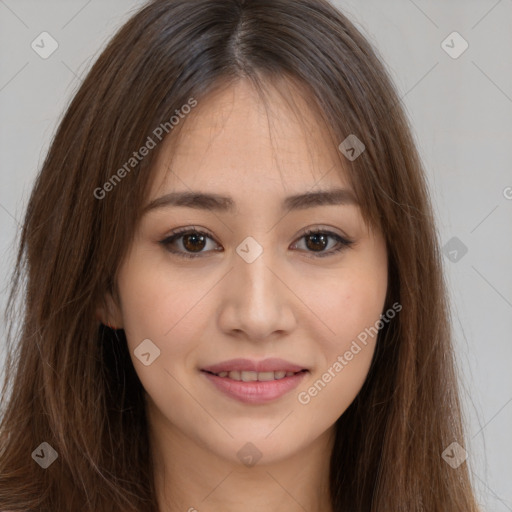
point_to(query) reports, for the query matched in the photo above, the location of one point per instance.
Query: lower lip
(255, 392)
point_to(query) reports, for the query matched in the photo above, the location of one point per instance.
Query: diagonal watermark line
(501, 409)
(198, 301)
(10, 215)
(411, 88)
(17, 73)
(75, 15)
(491, 491)
(485, 15)
(420, 80)
(286, 491)
(484, 219)
(279, 424)
(5, 5)
(462, 330)
(217, 486)
(200, 404)
(77, 76)
(492, 81)
(424, 13)
(300, 299)
(503, 297)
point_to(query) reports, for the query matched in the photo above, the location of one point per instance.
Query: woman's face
(255, 288)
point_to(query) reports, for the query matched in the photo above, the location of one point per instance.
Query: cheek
(349, 306)
(329, 394)
(346, 358)
(352, 296)
(154, 301)
(166, 309)
(351, 311)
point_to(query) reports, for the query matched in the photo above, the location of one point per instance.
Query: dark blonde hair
(70, 381)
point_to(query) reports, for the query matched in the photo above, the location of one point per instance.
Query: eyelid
(324, 229)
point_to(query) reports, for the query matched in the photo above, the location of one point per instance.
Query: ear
(108, 312)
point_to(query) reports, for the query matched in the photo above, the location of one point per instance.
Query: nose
(256, 300)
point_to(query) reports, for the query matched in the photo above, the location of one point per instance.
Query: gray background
(461, 111)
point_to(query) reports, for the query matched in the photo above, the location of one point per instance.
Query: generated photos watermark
(304, 397)
(158, 133)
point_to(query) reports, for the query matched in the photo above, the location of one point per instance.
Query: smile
(247, 376)
(255, 387)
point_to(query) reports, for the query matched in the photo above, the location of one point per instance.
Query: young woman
(230, 281)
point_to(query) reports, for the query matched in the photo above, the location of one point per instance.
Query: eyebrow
(216, 202)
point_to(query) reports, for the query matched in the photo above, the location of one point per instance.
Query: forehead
(235, 139)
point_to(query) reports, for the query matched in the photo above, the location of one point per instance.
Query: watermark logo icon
(454, 45)
(455, 249)
(44, 45)
(351, 147)
(147, 352)
(45, 455)
(249, 249)
(249, 455)
(454, 455)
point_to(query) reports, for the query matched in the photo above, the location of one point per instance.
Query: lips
(255, 382)
(255, 392)
(246, 376)
(259, 367)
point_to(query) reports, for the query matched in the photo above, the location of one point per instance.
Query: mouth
(250, 376)
(251, 387)
(255, 382)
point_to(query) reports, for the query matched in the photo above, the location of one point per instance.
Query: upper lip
(248, 365)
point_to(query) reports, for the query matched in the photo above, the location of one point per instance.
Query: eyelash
(343, 243)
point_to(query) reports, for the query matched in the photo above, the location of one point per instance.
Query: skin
(287, 303)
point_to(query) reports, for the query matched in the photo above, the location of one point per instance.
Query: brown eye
(188, 243)
(194, 242)
(317, 241)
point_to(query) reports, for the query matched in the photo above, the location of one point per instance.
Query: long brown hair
(70, 381)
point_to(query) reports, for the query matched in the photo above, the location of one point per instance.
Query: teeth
(265, 376)
(249, 376)
(256, 376)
